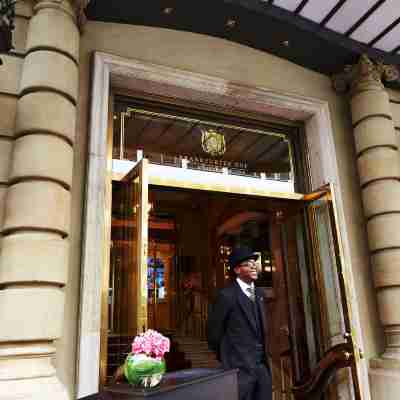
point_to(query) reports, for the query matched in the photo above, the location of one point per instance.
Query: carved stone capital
(81, 19)
(365, 75)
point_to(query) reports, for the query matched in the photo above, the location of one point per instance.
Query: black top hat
(240, 254)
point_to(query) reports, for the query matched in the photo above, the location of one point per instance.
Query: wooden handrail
(339, 356)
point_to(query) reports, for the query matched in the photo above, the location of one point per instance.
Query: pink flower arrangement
(151, 343)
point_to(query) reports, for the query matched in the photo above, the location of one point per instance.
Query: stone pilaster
(379, 172)
(34, 252)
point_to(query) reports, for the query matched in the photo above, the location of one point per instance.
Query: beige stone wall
(394, 97)
(21, 157)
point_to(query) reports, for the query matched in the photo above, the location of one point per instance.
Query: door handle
(338, 357)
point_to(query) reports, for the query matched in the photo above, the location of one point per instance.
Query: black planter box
(188, 384)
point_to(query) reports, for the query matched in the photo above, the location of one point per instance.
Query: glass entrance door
(136, 188)
(319, 312)
(127, 314)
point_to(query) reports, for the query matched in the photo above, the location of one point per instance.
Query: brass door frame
(353, 352)
(287, 130)
(346, 353)
(160, 180)
(140, 173)
(105, 270)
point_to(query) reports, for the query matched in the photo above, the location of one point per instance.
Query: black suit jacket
(232, 331)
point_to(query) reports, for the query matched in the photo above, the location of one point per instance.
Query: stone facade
(37, 160)
(377, 155)
(43, 152)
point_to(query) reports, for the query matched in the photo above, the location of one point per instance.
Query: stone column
(34, 249)
(379, 172)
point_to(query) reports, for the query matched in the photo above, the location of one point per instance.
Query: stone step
(191, 341)
(205, 364)
(194, 345)
(197, 358)
(197, 351)
(194, 348)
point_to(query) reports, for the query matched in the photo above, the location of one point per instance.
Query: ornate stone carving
(365, 75)
(80, 6)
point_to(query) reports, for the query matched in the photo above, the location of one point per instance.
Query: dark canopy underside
(257, 24)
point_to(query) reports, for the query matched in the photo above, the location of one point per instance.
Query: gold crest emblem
(213, 142)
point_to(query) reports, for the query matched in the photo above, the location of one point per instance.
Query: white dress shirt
(244, 286)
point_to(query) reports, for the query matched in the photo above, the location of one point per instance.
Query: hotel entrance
(176, 216)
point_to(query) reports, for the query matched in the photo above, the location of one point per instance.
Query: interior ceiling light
(231, 23)
(168, 10)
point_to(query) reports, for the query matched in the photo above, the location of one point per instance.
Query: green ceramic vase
(141, 370)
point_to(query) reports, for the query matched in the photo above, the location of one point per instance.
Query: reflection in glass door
(127, 305)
